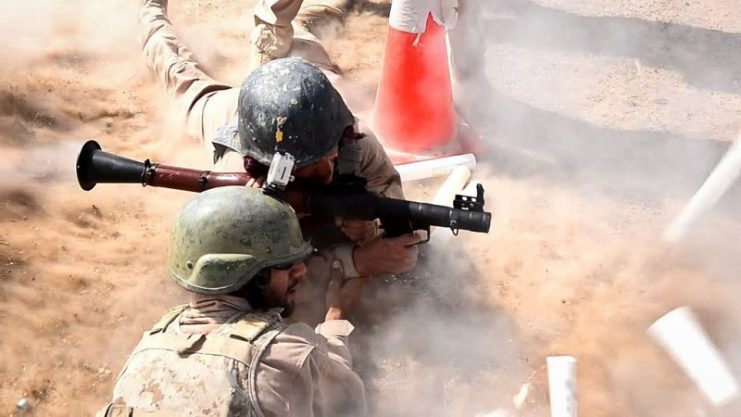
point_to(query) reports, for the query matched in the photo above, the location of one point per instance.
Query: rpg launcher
(347, 199)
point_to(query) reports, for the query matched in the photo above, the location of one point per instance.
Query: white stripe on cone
(411, 15)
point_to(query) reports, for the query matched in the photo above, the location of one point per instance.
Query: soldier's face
(282, 289)
(321, 171)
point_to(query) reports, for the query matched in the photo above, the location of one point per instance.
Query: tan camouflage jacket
(217, 357)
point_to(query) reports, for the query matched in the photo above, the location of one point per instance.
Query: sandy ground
(600, 120)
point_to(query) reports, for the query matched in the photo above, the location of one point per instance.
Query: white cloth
(411, 15)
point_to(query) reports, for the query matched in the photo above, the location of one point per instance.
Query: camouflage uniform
(273, 369)
(218, 356)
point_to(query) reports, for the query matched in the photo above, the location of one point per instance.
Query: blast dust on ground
(573, 265)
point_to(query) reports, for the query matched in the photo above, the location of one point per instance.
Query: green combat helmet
(226, 235)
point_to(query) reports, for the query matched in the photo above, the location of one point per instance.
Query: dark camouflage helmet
(226, 235)
(288, 105)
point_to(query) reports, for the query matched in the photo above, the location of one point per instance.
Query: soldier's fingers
(334, 285)
(332, 297)
(419, 236)
(355, 224)
(352, 228)
(410, 258)
(336, 272)
(408, 239)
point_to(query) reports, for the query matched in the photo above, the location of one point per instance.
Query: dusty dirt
(601, 120)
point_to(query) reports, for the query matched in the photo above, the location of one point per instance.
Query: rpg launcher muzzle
(95, 166)
(397, 216)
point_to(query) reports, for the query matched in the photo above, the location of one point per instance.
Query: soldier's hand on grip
(392, 255)
(255, 182)
(358, 230)
(342, 296)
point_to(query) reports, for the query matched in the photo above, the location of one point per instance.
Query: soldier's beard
(268, 298)
(285, 300)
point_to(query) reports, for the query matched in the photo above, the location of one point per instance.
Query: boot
(314, 14)
(269, 42)
(273, 33)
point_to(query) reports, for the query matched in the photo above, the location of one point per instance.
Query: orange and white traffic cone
(413, 115)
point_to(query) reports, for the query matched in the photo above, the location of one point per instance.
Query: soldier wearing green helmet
(240, 253)
(218, 249)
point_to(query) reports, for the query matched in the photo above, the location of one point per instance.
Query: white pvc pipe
(429, 168)
(447, 191)
(722, 177)
(452, 186)
(682, 336)
(562, 385)
(519, 399)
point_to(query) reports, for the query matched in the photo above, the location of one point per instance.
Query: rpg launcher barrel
(397, 216)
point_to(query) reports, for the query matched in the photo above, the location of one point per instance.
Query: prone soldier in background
(240, 255)
(290, 106)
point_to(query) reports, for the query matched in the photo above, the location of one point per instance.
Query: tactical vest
(184, 374)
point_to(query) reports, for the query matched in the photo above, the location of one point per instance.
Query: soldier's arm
(303, 373)
(173, 64)
(339, 390)
(377, 168)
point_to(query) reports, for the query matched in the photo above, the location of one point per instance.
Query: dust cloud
(599, 122)
(600, 126)
(80, 274)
